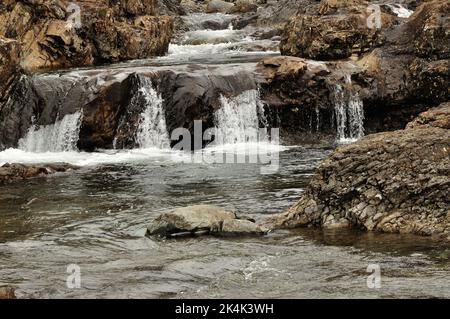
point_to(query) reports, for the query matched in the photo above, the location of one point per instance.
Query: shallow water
(96, 218)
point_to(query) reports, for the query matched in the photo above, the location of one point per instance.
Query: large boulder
(334, 30)
(215, 6)
(147, 36)
(202, 220)
(393, 182)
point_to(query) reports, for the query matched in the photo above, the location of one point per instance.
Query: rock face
(397, 73)
(7, 293)
(10, 173)
(112, 101)
(9, 65)
(60, 34)
(202, 220)
(391, 182)
(333, 30)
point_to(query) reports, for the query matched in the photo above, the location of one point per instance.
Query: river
(96, 217)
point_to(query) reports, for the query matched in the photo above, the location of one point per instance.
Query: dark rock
(9, 65)
(202, 220)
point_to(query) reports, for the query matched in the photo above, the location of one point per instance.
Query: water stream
(96, 217)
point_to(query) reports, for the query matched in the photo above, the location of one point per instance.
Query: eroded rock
(202, 220)
(55, 34)
(393, 182)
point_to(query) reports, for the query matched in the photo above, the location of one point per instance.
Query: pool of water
(96, 218)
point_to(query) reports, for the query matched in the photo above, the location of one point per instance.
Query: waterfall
(62, 136)
(237, 121)
(349, 113)
(152, 131)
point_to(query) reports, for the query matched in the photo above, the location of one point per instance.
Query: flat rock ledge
(201, 220)
(395, 182)
(10, 173)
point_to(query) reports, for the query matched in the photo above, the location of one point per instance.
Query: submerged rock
(202, 220)
(10, 173)
(393, 182)
(7, 293)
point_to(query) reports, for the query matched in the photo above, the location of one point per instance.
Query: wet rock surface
(202, 220)
(10, 173)
(392, 182)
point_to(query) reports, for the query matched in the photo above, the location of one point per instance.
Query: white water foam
(152, 132)
(400, 10)
(93, 158)
(62, 136)
(349, 113)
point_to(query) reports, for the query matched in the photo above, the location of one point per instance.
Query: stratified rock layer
(393, 182)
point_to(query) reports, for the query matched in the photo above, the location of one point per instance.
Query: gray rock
(218, 6)
(202, 220)
(407, 191)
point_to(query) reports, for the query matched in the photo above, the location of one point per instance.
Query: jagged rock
(336, 30)
(55, 35)
(9, 65)
(202, 220)
(54, 46)
(10, 173)
(436, 117)
(392, 182)
(148, 36)
(7, 293)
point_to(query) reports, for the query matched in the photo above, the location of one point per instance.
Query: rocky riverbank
(394, 182)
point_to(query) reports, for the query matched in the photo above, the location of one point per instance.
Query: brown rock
(7, 293)
(9, 65)
(108, 31)
(10, 173)
(55, 45)
(436, 117)
(338, 30)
